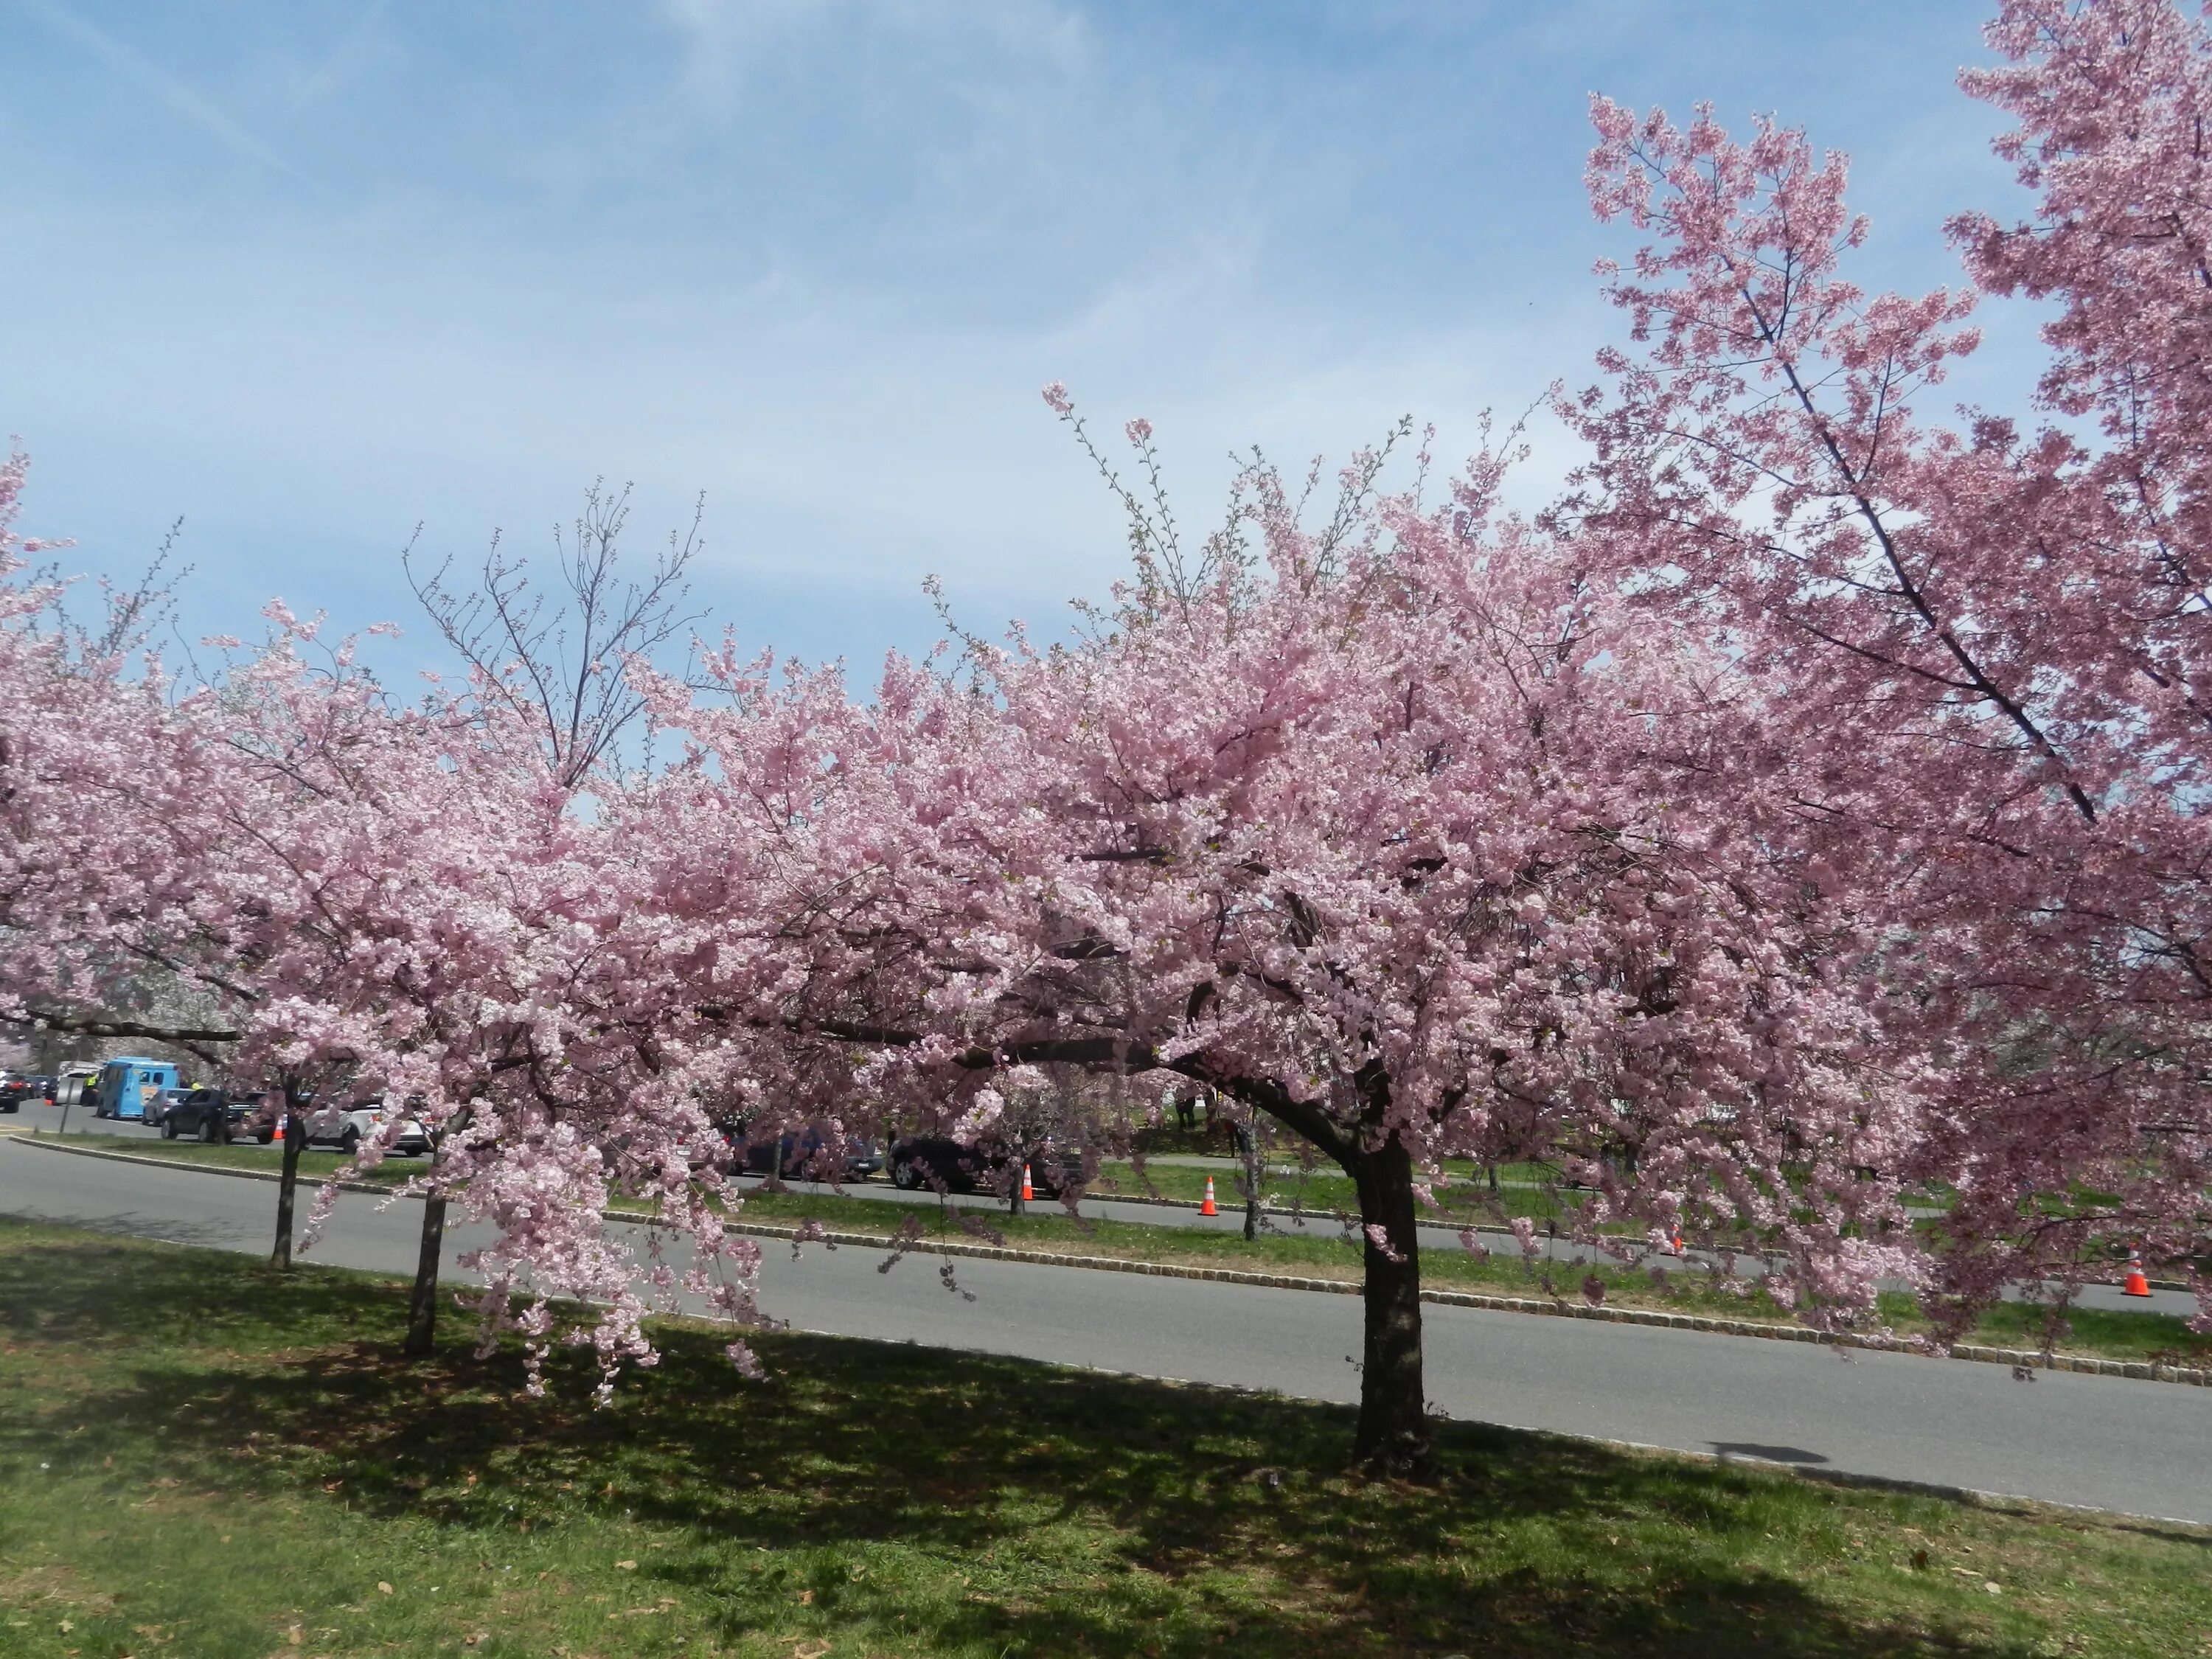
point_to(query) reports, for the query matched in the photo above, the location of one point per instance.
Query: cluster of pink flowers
(1980, 651)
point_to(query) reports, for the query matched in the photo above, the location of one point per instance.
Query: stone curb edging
(2018, 1359)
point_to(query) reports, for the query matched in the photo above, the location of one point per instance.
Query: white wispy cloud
(355, 47)
(187, 103)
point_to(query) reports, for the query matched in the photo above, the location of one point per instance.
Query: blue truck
(128, 1087)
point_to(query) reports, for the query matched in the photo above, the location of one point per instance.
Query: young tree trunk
(1393, 1436)
(422, 1303)
(288, 1185)
(1247, 1143)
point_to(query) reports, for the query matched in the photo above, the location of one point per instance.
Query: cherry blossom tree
(1981, 646)
(366, 895)
(1390, 827)
(430, 907)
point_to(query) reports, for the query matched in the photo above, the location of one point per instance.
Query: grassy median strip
(1323, 1190)
(199, 1457)
(1321, 1249)
(244, 1155)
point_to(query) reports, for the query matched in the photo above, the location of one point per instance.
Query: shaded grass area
(198, 1458)
(1321, 1249)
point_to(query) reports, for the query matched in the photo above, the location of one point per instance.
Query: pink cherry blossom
(1979, 647)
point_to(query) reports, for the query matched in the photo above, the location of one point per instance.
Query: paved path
(2141, 1447)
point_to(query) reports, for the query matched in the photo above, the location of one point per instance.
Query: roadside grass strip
(1322, 1251)
(199, 1457)
(1321, 1191)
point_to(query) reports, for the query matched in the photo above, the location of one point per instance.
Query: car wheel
(350, 1140)
(264, 1136)
(905, 1175)
(168, 1128)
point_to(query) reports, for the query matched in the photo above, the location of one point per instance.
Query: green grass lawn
(1325, 1189)
(199, 1458)
(246, 1154)
(1319, 1250)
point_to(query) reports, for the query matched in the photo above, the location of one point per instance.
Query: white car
(346, 1126)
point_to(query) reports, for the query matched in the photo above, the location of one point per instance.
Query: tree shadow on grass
(1226, 1518)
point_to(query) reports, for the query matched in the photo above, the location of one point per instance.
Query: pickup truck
(205, 1115)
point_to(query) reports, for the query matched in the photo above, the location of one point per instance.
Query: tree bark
(288, 1184)
(422, 1303)
(1247, 1143)
(422, 1300)
(1393, 1436)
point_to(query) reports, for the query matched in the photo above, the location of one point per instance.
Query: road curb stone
(2017, 1358)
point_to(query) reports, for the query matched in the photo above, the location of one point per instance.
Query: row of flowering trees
(1807, 812)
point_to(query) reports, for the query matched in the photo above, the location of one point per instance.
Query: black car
(796, 1153)
(15, 1089)
(919, 1160)
(207, 1115)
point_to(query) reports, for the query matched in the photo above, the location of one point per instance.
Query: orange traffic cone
(2135, 1284)
(1027, 1194)
(1674, 1241)
(278, 1138)
(1208, 1208)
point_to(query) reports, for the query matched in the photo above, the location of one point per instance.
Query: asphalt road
(47, 1119)
(2145, 1448)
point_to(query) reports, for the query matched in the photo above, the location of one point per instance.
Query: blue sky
(307, 272)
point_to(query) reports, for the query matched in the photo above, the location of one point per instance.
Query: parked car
(796, 1153)
(346, 1126)
(46, 1088)
(15, 1089)
(201, 1114)
(919, 1160)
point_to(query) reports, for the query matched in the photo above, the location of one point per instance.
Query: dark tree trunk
(288, 1184)
(423, 1303)
(1393, 1436)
